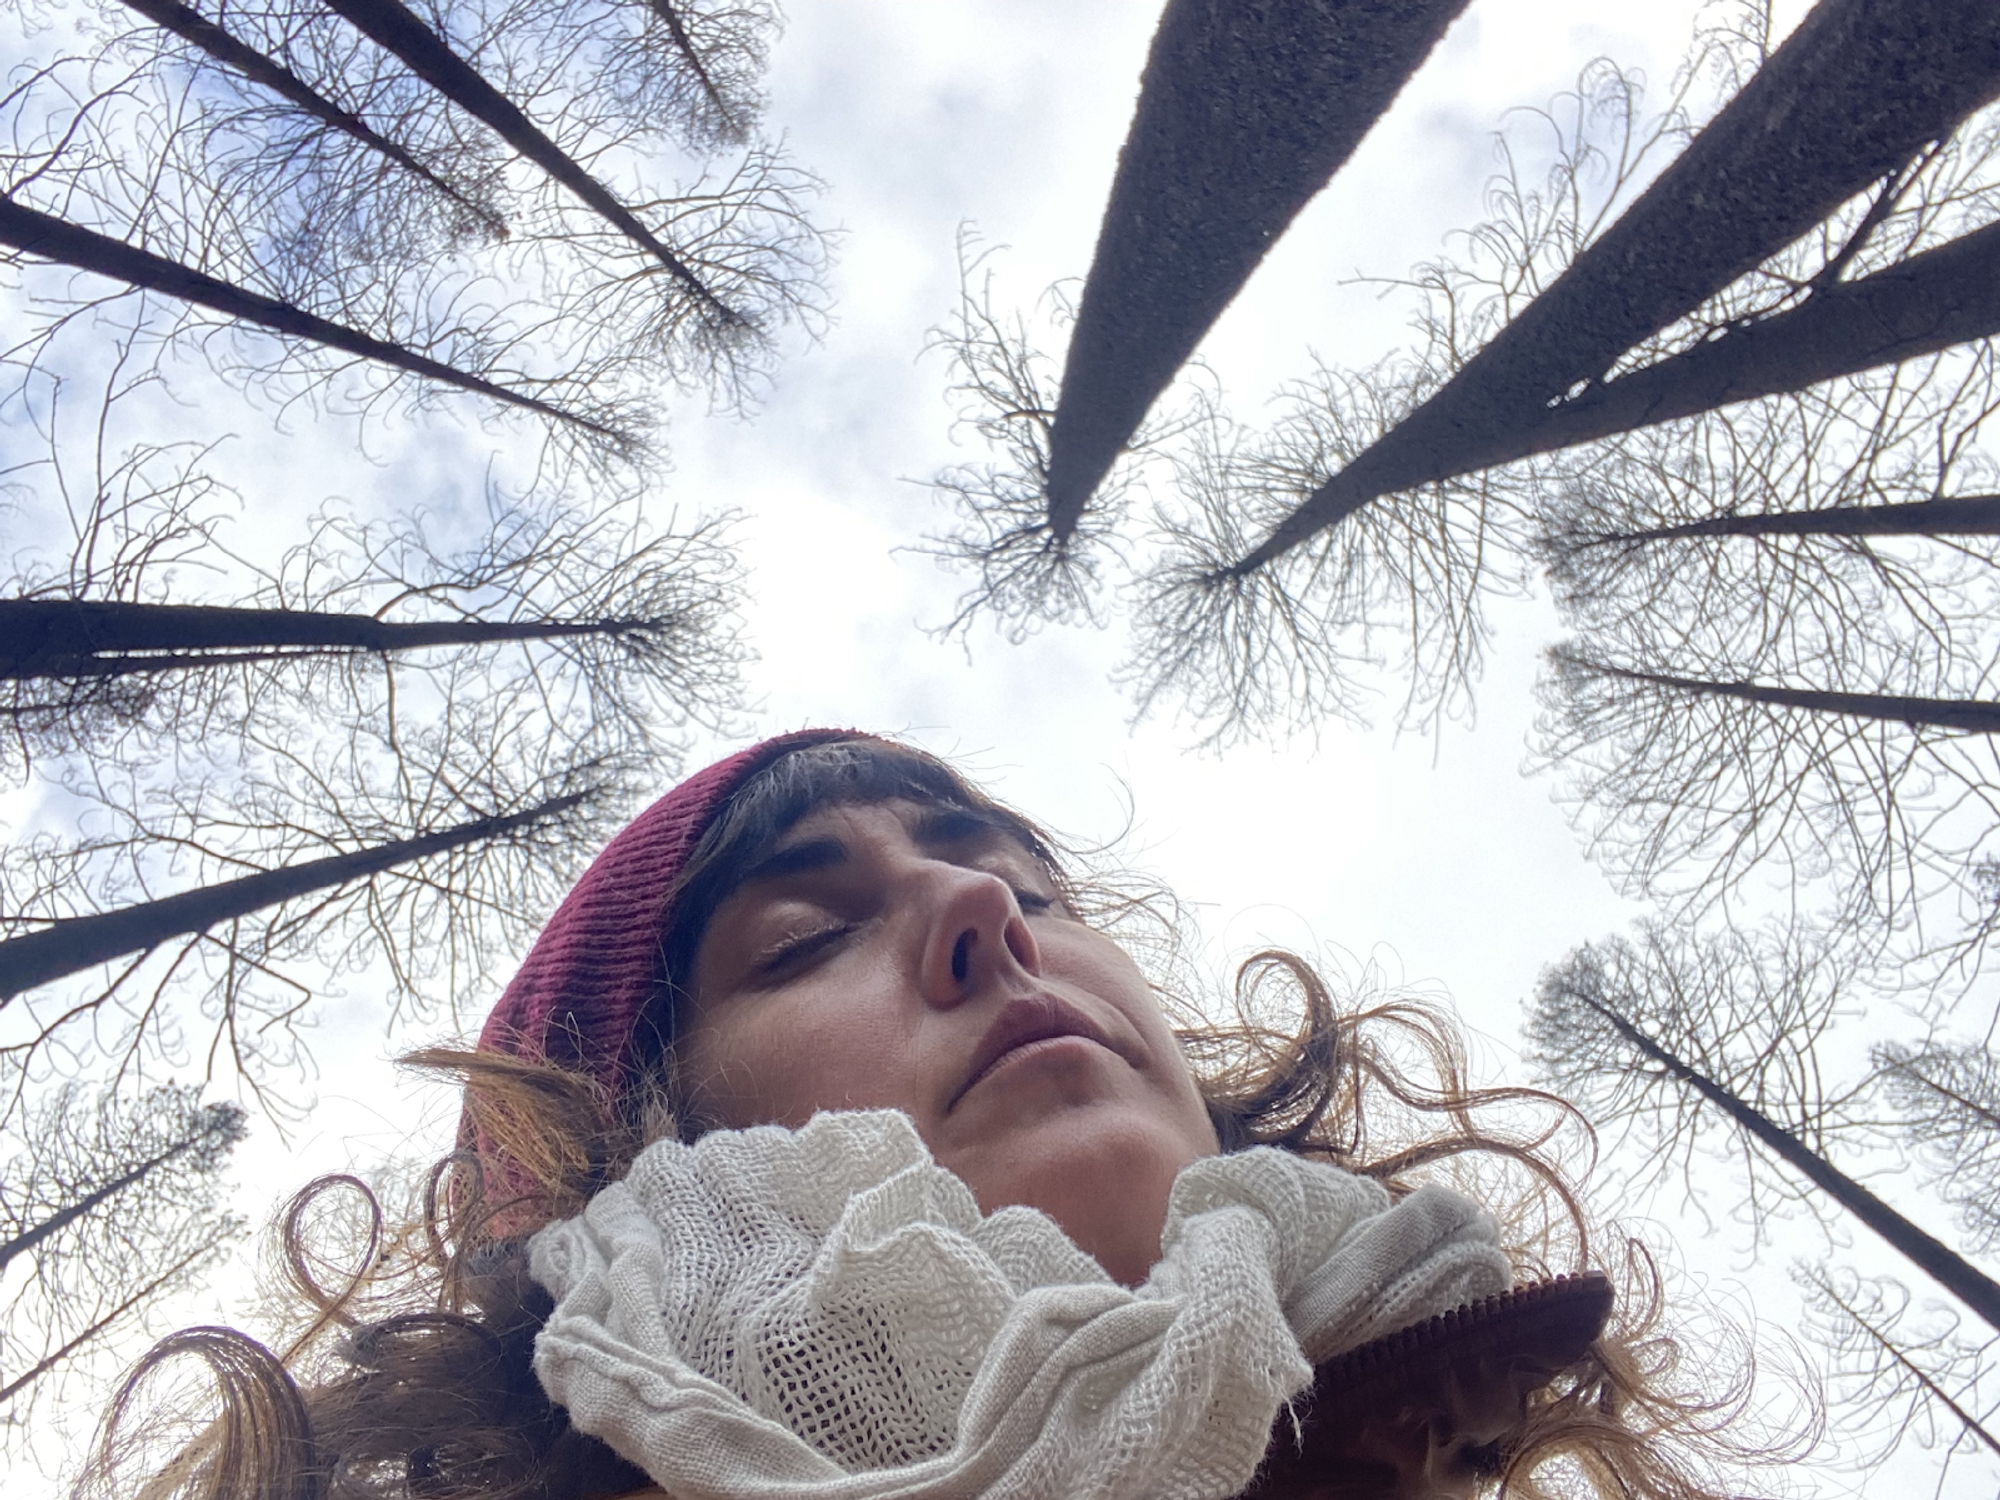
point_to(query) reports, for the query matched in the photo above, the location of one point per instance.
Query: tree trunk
(45, 638)
(49, 238)
(72, 944)
(399, 31)
(1860, 88)
(70, 1213)
(1962, 515)
(1973, 715)
(665, 10)
(1945, 296)
(1971, 1106)
(191, 26)
(1243, 115)
(1929, 1254)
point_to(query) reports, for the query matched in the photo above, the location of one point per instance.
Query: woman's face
(899, 955)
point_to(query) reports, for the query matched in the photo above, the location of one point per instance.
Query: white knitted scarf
(824, 1314)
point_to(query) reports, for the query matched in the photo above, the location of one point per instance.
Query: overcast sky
(1434, 857)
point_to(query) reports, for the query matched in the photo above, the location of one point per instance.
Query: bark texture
(1852, 96)
(1245, 109)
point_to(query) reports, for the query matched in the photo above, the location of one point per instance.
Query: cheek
(777, 1065)
(1095, 963)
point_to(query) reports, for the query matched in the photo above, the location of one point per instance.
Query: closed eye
(793, 951)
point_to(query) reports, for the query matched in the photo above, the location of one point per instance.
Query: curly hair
(406, 1371)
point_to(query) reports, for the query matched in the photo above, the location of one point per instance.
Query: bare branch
(1900, 1381)
(1002, 389)
(111, 1200)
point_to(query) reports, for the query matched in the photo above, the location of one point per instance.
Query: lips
(1035, 1018)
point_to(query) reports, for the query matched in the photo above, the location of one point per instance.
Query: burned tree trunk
(56, 638)
(72, 944)
(400, 31)
(1243, 115)
(1961, 515)
(210, 1133)
(1970, 715)
(193, 27)
(1933, 301)
(1579, 984)
(1861, 89)
(113, 1199)
(47, 237)
(670, 17)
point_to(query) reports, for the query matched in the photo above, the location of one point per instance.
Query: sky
(1435, 859)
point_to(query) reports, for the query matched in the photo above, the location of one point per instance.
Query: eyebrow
(930, 826)
(795, 859)
(951, 825)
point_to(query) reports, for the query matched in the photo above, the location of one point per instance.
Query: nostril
(961, 956)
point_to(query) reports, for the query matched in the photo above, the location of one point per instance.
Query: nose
(976, 934)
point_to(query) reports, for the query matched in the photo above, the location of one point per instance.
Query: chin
(1102, 1170)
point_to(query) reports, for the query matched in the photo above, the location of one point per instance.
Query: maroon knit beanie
(579, 994)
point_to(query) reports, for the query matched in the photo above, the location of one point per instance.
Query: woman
(827, 1144)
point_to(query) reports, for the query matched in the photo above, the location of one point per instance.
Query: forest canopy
(353, 597)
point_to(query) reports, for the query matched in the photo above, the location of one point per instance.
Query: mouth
(1021, 1023)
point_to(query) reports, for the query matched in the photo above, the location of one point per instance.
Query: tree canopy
(354, 204)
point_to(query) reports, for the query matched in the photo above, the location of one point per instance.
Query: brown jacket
(1427, 1412)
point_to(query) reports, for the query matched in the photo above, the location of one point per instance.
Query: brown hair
(409, 1378)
